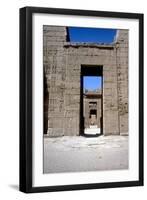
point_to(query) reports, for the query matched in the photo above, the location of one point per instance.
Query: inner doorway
(91, 100)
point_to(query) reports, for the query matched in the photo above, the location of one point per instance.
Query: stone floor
(77, 153)
(93, 130)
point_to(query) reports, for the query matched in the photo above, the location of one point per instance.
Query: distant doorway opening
(91, 100)
(93, 117)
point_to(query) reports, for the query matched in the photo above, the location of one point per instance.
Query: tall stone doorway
(91, 102)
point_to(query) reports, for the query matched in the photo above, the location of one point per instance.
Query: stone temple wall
(122, 75)
(62, 62)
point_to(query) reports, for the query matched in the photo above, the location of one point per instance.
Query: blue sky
(92, 82)
(96, 35)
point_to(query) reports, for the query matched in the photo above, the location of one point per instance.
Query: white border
(40, 179)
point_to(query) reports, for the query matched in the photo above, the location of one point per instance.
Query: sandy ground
(77, 153)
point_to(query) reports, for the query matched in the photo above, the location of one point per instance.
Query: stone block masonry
(62, 61)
